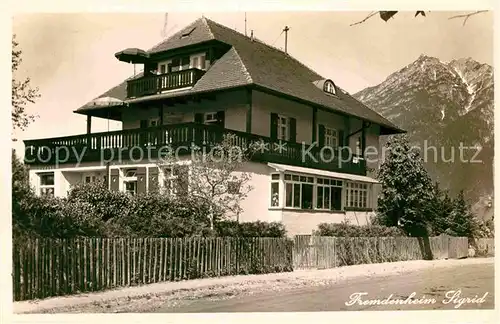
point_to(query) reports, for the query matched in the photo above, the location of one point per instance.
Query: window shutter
(343, 141)
(198, 118)
(141, 180)
(274, 126)
(115, 180)
(293, 130)
(153, 179)
(220, 118)
(321, 135)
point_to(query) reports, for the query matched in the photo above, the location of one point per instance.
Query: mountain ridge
(444, 105)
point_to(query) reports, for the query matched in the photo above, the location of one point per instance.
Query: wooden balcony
(153, 84)
(137, 144)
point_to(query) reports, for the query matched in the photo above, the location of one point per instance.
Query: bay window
(299, 191)
(356, 195)
(329, 194)
(319, 193)
(275, 190)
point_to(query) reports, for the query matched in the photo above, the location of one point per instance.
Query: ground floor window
(329, 194)
(275, 190)
(319, 193)
(47, 184)
(130, 181)
(96, 177)
(357, 195)
(299, 191)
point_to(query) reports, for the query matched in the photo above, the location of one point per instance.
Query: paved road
(425, 285)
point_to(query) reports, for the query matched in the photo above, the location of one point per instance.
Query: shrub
(250, 229)
(346, 230)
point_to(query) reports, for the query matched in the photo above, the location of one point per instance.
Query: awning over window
(321, 173)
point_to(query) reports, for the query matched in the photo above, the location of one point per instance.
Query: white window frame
(210, 117)
(361, 192)
(330, 184)
(200, 58)
(130, 179)
(358, 195)
(283, 131)
(170, 178)
(331, 137)
(166, 63)
(94, 177)
(294, 179)
(42, 186)
(275, 199)
(330, 88)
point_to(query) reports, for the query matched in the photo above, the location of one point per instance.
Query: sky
(70, 57)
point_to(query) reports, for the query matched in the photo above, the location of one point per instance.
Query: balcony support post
(249, 111)
(314, 123)
(89, 124)
(89, 130)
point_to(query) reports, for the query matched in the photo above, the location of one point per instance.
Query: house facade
(208, 80)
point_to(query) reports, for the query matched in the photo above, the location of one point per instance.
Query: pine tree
(461, 221)
(406, 189)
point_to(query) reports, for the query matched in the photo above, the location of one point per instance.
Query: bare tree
(386, 15)
(22, 92)
(215, 176)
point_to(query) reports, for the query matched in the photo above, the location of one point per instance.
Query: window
(163, 69)
(329, 194)
(331, 137)
(275, 190)
(299, 191)
(210, 118)
(330, 87)
(283, 129)
(319, 193)
(94, 177)
(198, 62)
(130, 181)
(47, 184)
(357, 195)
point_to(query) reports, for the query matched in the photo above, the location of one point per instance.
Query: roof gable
(194, 33)
(250, 61)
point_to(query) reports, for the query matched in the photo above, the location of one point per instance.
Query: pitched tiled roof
(252, 62)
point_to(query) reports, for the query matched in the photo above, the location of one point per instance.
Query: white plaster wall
(264, 104)
(304, 222)
(255, 205)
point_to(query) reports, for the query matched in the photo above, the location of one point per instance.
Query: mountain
(444, 105)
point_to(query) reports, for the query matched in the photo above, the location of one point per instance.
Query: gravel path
(152, 297)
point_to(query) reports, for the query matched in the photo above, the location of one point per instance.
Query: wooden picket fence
(316, 252)
(49, 267)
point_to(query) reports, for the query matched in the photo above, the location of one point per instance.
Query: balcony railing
(153, 84)
(150, 143)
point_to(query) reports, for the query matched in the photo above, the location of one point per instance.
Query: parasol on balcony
(132, 55)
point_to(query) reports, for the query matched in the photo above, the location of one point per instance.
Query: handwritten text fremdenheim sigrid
(453, 297)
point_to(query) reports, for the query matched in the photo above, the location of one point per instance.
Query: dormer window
(329, 87)
(186, 34)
